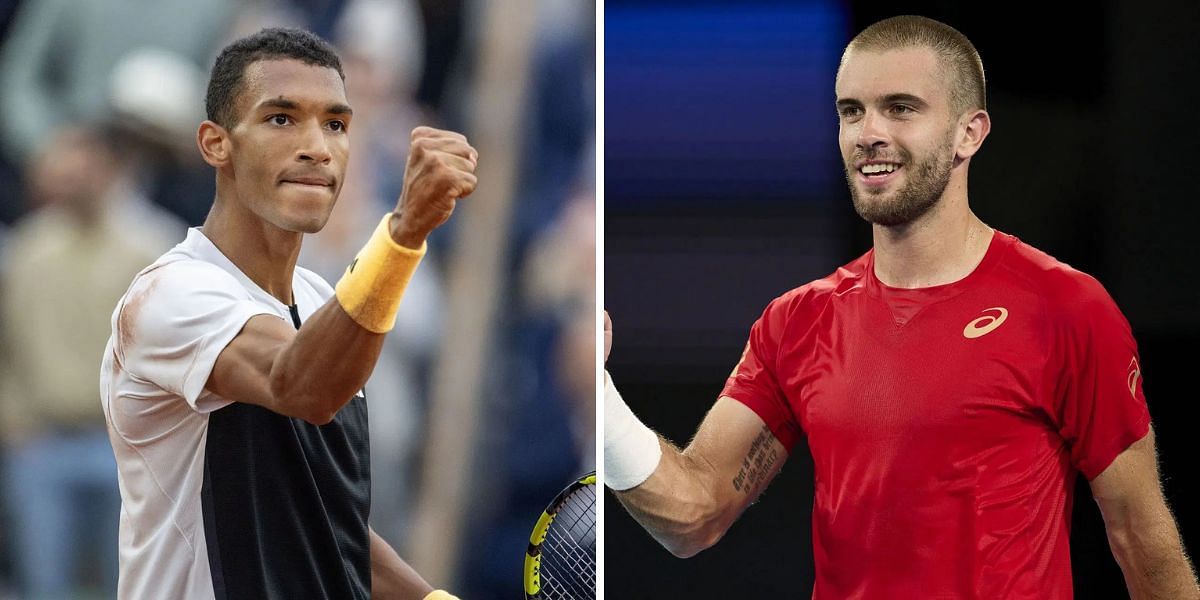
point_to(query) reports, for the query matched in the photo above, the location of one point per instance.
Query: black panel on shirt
(286, 502)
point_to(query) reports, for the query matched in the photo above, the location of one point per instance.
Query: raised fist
(440, 171)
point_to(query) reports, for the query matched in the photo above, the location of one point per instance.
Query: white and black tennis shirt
(220, 499)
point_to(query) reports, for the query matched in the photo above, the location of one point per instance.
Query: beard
(925, 181)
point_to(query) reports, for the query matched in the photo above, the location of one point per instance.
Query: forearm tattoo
(758, 462)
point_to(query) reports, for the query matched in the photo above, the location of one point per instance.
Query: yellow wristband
(373, 284)
(440, 595)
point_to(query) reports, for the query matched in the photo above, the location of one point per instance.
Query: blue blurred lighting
(721, 100)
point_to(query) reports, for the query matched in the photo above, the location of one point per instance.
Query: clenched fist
(440, 171)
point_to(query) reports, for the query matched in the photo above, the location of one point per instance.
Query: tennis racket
(560, 563)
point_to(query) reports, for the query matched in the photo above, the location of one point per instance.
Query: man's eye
(901, 109)
(851, 111)
(337, 125)
(279, 119)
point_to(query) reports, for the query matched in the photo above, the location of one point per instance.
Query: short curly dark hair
(228, 72)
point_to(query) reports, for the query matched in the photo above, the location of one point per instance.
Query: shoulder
(812, 298)
(1075, 303)
(174, 293)
(1063, 287)
(177, 275)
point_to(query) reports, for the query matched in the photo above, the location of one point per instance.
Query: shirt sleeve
(1099, 407)
(754, 383)
(173, 323)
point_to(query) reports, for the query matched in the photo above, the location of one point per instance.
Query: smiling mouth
(879, 170)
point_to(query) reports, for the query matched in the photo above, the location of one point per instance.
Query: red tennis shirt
(947, 424)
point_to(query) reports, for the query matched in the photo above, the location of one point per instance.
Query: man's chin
(312, 224)
(871, 207)
(304, 216)
(310, 227)
(890, 212)
(299, 223)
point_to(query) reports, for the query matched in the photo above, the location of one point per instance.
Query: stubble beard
(925, 182)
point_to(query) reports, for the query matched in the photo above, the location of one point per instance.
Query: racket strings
(572, 571)
(569, 550)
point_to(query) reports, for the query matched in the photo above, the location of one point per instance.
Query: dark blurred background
(724, 189)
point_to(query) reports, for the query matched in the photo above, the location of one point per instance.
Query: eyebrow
(904, 98)
(285, 104)
(888, 99)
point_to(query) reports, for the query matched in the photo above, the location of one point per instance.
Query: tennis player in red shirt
(950, 382)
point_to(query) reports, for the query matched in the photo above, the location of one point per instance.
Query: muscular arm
(391, 577)
(1141, 530)
(695, 494)
(310, 373)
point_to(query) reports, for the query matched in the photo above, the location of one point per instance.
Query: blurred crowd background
(724, 189)
(482, 405)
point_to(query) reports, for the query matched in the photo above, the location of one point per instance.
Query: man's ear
(214, 143)
(978, 125)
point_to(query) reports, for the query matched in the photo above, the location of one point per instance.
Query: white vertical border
(599, 141)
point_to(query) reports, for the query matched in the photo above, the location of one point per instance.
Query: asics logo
(1135, 373)
(985, 324)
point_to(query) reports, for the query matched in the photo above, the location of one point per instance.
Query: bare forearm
(1152, 558)
(327, 362)
(391, 577)
(694, 495)
(677, 504)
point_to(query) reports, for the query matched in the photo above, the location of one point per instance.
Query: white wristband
(631, 450)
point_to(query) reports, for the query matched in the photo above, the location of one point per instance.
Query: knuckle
(421, 146)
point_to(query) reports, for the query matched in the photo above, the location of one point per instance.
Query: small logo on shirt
(1135, 373)
(985, 324)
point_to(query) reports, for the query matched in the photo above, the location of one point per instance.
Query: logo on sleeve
(985, 324)
(1135, 373)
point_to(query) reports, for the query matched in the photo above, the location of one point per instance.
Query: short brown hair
(952, 47)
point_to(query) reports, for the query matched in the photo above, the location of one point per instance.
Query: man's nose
(314, 147)
(873, 132)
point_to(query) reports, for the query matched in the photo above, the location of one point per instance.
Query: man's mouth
(878, 173)
(309, 181)
(879, 169)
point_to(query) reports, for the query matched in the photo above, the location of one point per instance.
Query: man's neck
(942, 246)
(265, 253)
